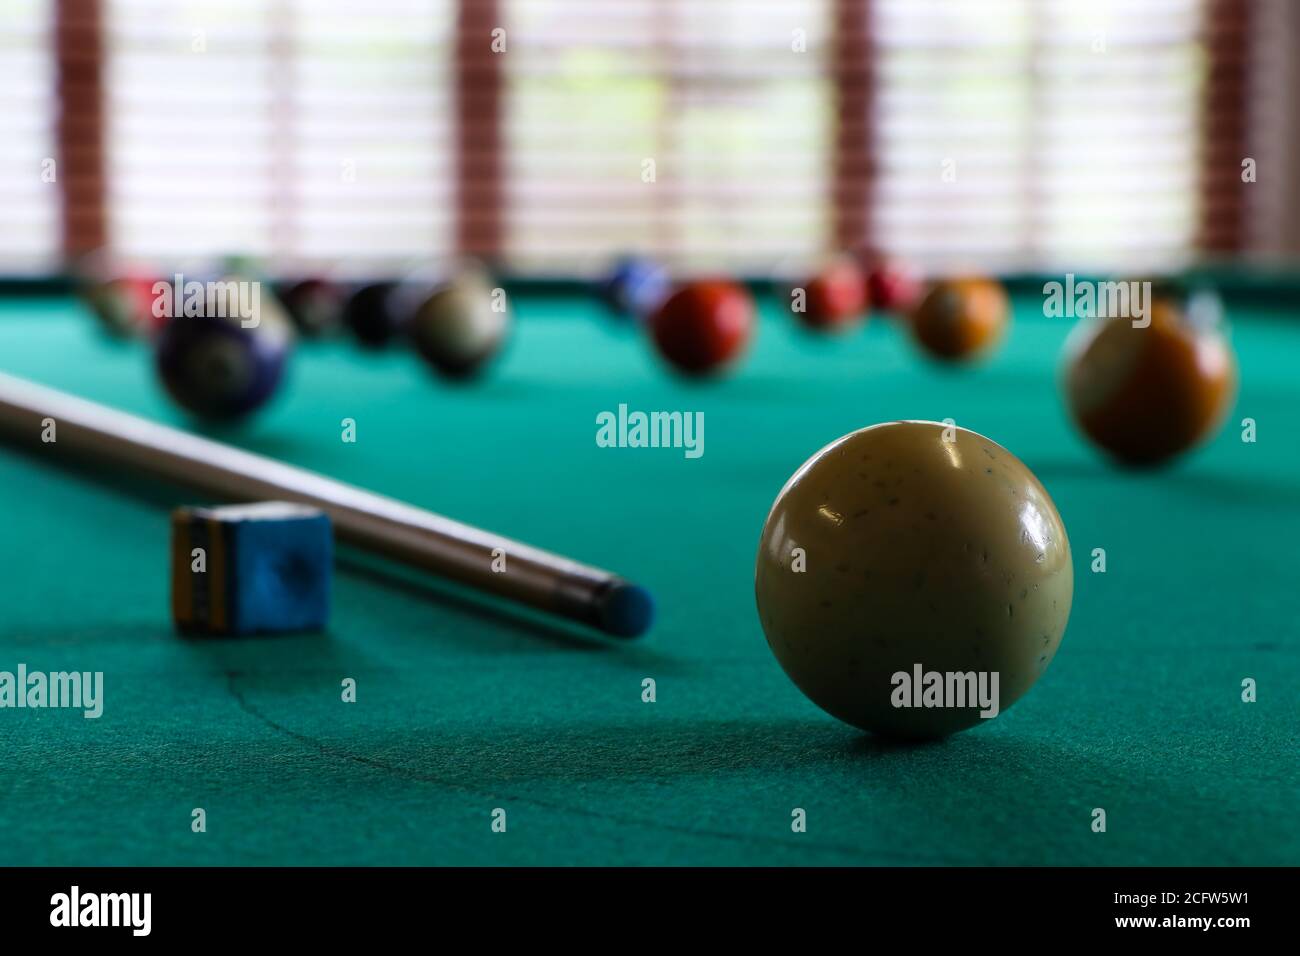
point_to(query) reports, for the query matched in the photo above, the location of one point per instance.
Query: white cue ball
(461, 325)
(916, 550)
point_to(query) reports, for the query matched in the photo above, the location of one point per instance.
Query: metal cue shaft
(386, 526)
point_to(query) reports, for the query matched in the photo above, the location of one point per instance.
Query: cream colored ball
(461, 326)
(912, 543)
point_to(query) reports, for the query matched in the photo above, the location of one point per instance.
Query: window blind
(365, 132)
(724, 135)
(695, 131)
(1014, 134)
(302, 132)
(188, 137)
(29, 186)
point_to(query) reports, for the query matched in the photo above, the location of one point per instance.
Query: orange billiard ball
(1147, 393)
(960, 319)
(703, 326)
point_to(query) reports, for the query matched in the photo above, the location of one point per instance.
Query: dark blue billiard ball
(635, 287)
(219, 370)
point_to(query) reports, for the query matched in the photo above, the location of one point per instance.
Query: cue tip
(626, 609)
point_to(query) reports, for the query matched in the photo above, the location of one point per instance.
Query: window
(1016, 134)
(366, 142)
(189, 134)
(692, 130)
(299, 131)
(730, 135)
(29, 181)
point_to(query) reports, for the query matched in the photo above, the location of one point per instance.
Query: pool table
(465, 705)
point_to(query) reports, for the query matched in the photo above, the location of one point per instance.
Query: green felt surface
(463, 707)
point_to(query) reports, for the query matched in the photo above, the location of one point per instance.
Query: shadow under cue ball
(1147, 394)
(916, 550)
(961, 319)
(461, 326)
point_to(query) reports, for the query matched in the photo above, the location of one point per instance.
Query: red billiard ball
(1146, 394)
(703, 326)
(893, 285)
(832, 299)
(959, 319)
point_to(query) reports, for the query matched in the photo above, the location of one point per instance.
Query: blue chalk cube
(263, 568)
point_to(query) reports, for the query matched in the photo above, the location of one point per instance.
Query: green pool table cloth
(465, 706)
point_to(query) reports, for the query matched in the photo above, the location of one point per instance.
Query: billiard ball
(703, 326)
(635, 287)
(1144, 394)
(460, 325)
(960, 319)
(123, 304)
(832, 299)
(218, 369)
(121, 297)
(374, 314)
(250, 300)
(893, 285)
(314, 304)
(912, 545)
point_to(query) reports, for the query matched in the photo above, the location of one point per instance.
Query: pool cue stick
(383, 525)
